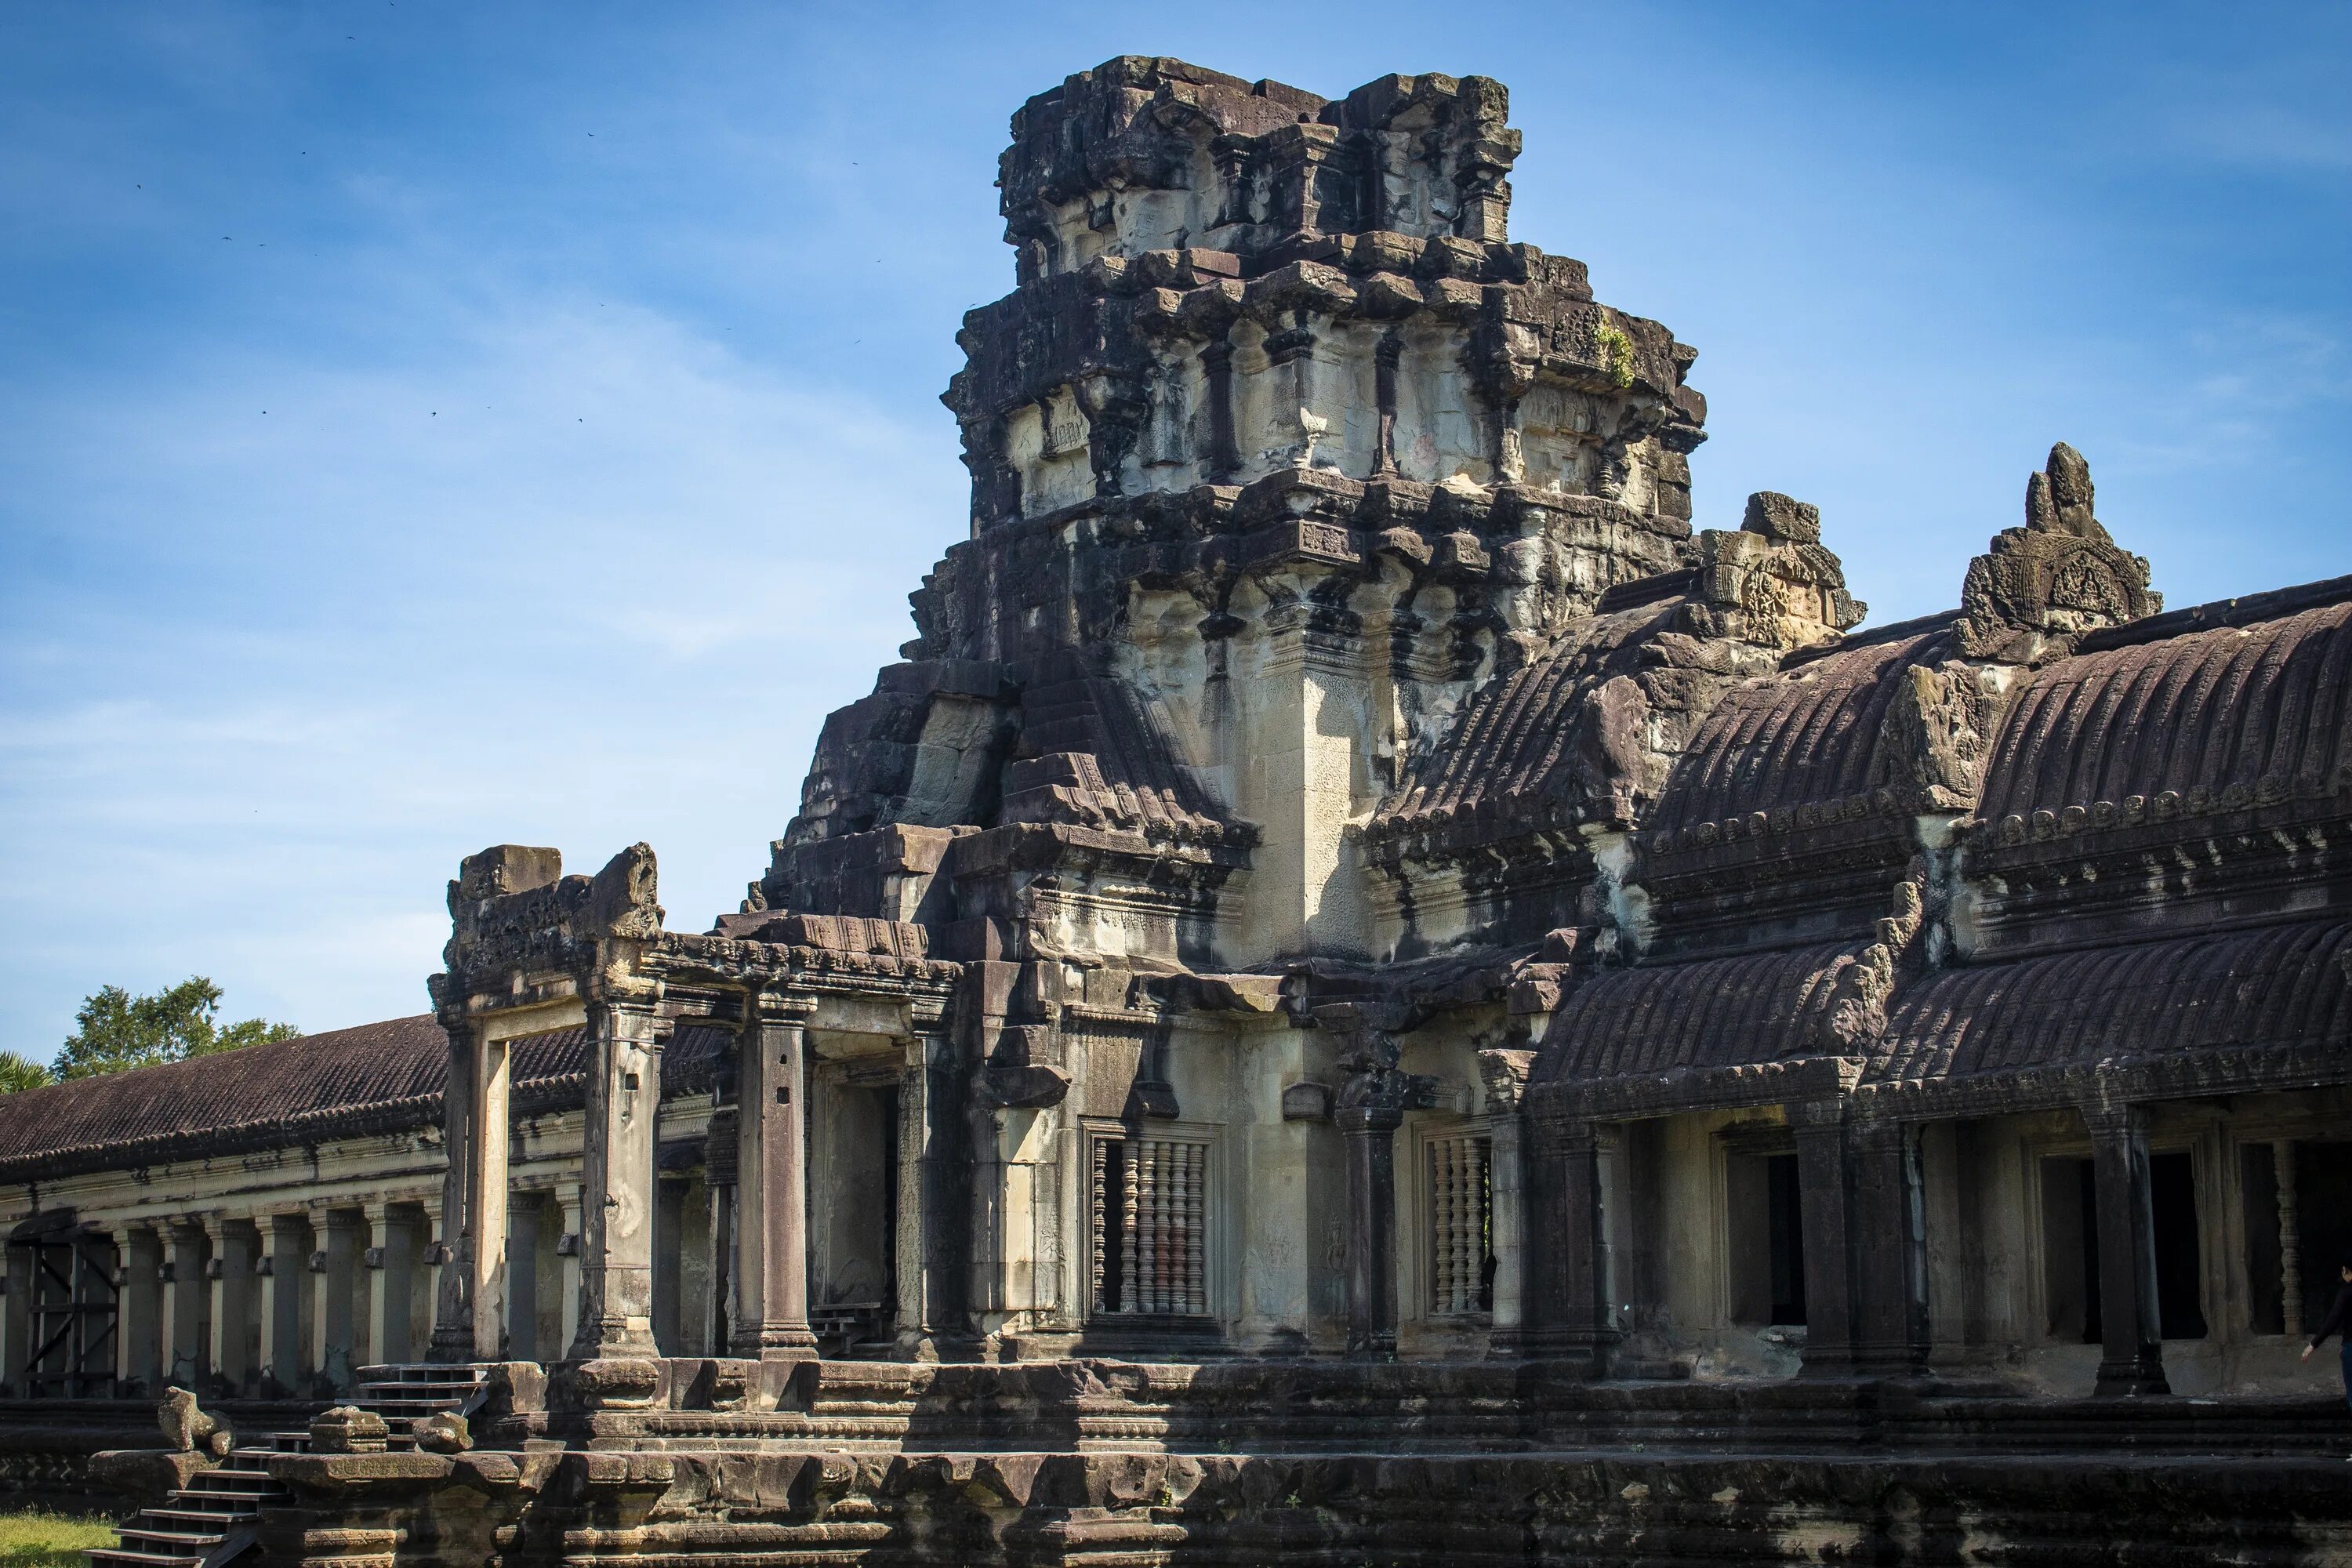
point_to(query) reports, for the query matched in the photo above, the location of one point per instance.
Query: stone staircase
(213, 1520)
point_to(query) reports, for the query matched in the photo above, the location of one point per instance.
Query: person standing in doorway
(2339, 1322)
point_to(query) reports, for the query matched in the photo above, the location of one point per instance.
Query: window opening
(1148, 1223)
(1461, 1226)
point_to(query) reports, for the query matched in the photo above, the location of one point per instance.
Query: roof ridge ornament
(2043, 586)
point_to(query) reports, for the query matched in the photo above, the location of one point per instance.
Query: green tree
(117, 1031)
(23, 1072)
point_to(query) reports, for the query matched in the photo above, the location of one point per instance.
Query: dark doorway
(2322, 1179)
(2070, 1250)
(2179, 1281)
(1785, 1213)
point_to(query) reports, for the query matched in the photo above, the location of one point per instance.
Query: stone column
(1368, 1131)
(334, 1282)
(771, 1184)
(184, 1292)
(930, 1261)
(1889, 1251)
(617, 1177)
(236, 1251)
(285, 1253)
(138, 1319)
(669, 1265)
(2290, 1232)
(453, 1303)
(390, 1259)
(567, 1250)
(1567, 1319)
(2131, 1361)
(1504, 1074)
(1507, 1194)
(718, 1153)
(469, 1315)
(1825, 1195)
(16, 1322)
(521, 1337)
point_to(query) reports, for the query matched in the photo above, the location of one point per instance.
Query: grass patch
(35, 1538)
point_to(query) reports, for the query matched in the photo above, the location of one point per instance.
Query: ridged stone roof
(2234, 706)
(345, 1083)
(2278, 985)
(1804, 737)
(1714, 1012)
(1513, 750)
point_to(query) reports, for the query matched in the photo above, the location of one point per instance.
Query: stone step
(108, 1554)
(197, 1542)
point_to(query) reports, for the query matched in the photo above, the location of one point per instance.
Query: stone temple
(1362, 994)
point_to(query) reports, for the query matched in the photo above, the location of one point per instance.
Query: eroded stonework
(1363, 991)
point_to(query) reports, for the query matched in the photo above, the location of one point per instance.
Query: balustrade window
(1149, 1207)
(1461, 1225)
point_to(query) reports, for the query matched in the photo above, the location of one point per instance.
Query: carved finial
(2058, 498)
(2043, 585)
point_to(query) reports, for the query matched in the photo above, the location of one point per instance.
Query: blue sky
(426, 424)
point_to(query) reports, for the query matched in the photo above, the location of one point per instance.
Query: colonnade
(756, 1179)
(1884, 1205)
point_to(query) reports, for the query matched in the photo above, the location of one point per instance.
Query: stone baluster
(771, 1205)
(2132, 1358)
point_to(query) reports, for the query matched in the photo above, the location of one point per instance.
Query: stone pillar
(669, 1265)
(16, 1322)
(285, 1254)
(185, 1291)
(138, 1319)
(1368, 1131)
(462, 1149)
(237, 1250)
(469, 1308)
(390, 1259)
(1568, 1319)
(2290, 1232)
(718, 1153)
(1507, 1196)
(1889, 1251)
(334, 1282)
(1825, 1193)
(930, 1190)
(771, 1184)
(567, 1250)
(2131, 1361)
(521, 1337)
(617, 1177)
